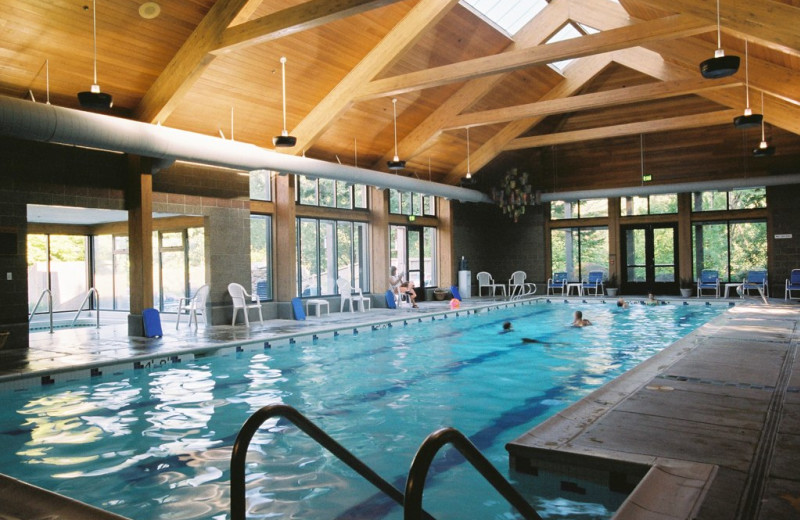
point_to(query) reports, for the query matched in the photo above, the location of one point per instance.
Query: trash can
(464, 279)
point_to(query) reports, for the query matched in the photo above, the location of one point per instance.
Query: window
(178, 266)
(261, 256)
(261, 185)
(58, 263)
(750, 198)
(328, 250)
(412, 250)
(408, 203)
(649, 205)
(329, 193)
(732, 248)
(589, 208)
(578, 251)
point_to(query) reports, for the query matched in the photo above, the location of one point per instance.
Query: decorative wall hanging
(513, 194)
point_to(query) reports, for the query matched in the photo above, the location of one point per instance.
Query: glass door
(413, 252)
(651, 262)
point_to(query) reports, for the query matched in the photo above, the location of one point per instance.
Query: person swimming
(579, 320)
(621, 303)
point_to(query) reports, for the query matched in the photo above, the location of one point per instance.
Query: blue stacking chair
(792, 284)
(594, 282)
(754, 281)
(709, 280)
(557, 282)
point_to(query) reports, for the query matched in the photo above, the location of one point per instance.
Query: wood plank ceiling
(212, 67)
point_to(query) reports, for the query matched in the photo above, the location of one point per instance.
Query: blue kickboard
(456, 294)
(390, 303)
(152, 323)
(297, 307)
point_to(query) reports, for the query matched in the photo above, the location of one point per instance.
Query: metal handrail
(422, 461)
(50, 307)
(250, 427)
(85, 299)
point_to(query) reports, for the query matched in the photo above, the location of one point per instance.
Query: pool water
(155, 443)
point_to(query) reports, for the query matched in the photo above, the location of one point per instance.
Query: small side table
(578, 288)
(728, 287)
(318, 304)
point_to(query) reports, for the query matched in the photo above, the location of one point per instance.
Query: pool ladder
(411, 501)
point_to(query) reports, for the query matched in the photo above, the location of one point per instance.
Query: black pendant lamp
(395, 163)
(284, 140)
(93, 98)
(719, 66)
(748, 119)
(764, 149)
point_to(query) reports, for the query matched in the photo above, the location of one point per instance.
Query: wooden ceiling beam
(622, 96)
(403, 36)
(769, 23)
(292, 20)
(778, 81)
(576, 76)
(539, 29)
(214, 36)
(677, 26)
(644, 127)
(188, 64)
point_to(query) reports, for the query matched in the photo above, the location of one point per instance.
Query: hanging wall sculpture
(513, 194)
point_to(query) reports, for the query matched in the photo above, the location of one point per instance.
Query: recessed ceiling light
(149, 10)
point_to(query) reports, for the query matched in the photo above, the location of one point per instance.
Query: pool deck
(713, 421)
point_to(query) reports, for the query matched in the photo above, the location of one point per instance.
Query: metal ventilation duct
(51, 124)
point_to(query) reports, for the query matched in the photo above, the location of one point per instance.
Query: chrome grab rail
(422, 461)
(50, 307)
(80, 308)
(239, 455)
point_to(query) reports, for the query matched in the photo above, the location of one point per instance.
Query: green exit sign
(647, 178)
(412, 218)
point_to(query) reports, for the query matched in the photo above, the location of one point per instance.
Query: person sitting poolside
(408, 289)
(579, 320)
(395, 279)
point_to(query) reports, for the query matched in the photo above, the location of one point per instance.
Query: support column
(445, 247)
(379, 240)
(285, 259)
(139, 203)
(685, 236)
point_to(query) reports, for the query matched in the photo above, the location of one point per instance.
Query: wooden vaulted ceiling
(212, 67)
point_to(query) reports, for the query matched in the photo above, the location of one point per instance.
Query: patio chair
(351, 295)
(792, 284)
(518, 287)
(194, 305)
(755, 281)
(243, 301)
(709, 281)
(557, 282)
(594, 283)
(485, 281)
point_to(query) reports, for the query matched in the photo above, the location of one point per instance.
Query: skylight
(508, 16)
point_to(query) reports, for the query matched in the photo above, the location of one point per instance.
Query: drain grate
(717, 382)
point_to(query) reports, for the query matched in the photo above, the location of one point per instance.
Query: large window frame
(328, 249)
(411, 203)
(578, 253)
(261, 261)
(735, 253)
(329, 193)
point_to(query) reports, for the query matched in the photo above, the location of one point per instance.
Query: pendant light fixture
(764, 149)
(284, 140)
(93, 98)
(468, 180)
(719, 66)
(749, 119)
(395, 163)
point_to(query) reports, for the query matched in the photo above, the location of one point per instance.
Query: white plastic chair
(352, 295)
(244, 301)
(485, 281)
(518, 287)
(195, 305)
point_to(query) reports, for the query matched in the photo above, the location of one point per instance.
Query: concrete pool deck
(716, 415)
(713, 420)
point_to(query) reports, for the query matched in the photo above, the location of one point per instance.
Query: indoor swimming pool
(155, 443)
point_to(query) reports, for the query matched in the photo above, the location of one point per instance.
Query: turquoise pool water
(155, 443)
